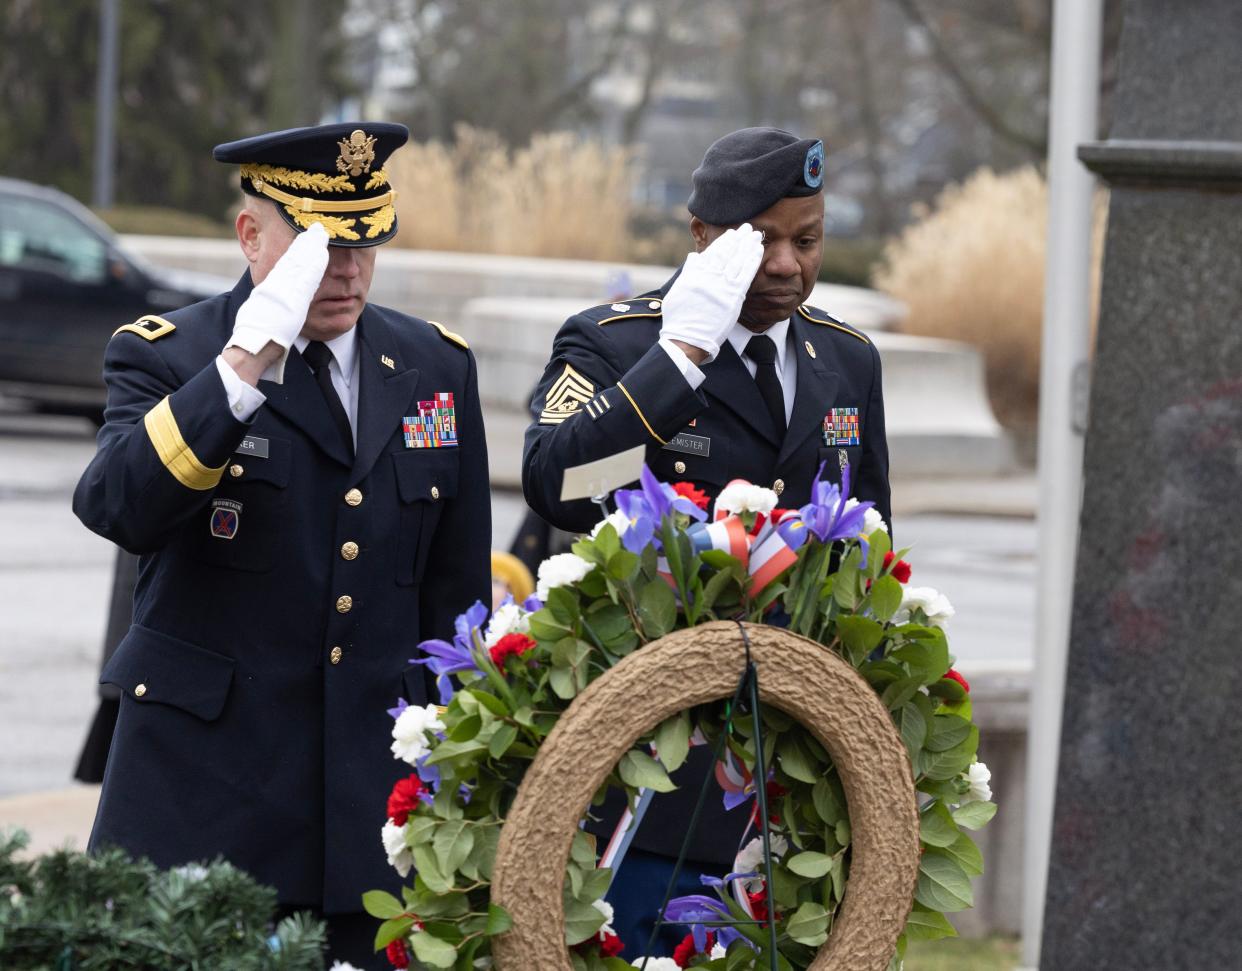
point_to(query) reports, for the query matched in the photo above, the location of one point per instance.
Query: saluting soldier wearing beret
(305, 476)
(722, 373)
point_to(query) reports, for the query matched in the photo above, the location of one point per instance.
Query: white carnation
(509, 618)
(750, 858)
(560, 571)
(872, 520)
(605, 908)
(931, 601)
(978, 775)
(717, 952)
(746, 497)
(657, 964)
(617, 520)
(409, 732)
(399, 856)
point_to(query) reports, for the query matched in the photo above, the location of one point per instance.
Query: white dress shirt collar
(344, 349)
(740, 336)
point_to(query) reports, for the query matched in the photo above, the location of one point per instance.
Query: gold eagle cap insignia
(357, 153)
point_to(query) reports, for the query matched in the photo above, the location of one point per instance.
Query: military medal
(842, 427)
(435, 425)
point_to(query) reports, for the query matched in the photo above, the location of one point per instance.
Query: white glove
(705, 300)
(276, 309)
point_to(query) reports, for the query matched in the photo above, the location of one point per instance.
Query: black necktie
(319, 357)
(762, 350)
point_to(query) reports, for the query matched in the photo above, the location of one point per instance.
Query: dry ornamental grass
(559, 197)
(971, 268)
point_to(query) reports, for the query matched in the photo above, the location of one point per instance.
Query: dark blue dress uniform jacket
(609, 387)
(243, 730)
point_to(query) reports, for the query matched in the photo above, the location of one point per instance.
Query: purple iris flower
(825, 515)
(446, 658)
(647, 506)
(696, 908)
(532, 603)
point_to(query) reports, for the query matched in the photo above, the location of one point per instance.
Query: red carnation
(511, 645)
(684, 953)
(398, 956)
(688, 491)
(776, 792)
(404, 799)
(901, 569)
(759, 903)
(610, 946)
(954, 676)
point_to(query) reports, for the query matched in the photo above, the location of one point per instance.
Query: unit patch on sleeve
(568, 393)
(842, 427)
(435, 425)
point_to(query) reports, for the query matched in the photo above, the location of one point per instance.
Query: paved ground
(55, 576)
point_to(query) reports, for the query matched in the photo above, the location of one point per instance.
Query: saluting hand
(276, 310)
(705, 300)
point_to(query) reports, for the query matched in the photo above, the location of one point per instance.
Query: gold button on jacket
(778, 486)
(140, 690)
(236, 470)
(435, 492)
(349, 550)
(354, 497)
(344, 604)
(335, 656)
(679, 468)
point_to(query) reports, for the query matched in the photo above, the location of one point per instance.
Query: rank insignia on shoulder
(568, 393)
(150, 327)
(842, 426)
(225, 518)
(435, 425)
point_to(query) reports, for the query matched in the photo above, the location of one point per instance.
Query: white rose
(750, 858)
(978, 775)
(746, 497)
(605, 908)
(399, 856)
(509, 618)
(617, 520)
(409, 732)
(559, 571)
(658, 964)
(931, 601)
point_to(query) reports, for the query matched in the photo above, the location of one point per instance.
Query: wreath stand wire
(745, 697)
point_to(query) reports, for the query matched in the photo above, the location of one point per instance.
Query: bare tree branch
(1036, 145)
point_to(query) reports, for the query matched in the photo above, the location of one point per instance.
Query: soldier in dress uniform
(724, 372)
(305, 477)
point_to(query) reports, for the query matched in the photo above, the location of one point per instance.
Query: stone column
(1146, 865)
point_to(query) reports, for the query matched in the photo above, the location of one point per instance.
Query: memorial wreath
(825, 571)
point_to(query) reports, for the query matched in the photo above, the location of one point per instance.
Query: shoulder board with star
(149, 328)
(449, 336)
(817, 316)
(634, 309)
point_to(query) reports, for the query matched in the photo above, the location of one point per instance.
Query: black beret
(329, 174)
(748, 171)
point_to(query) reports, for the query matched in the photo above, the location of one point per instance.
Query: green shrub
(73, 911)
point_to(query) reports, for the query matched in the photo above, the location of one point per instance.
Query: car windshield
(36, 235)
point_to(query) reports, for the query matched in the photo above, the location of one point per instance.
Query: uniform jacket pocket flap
(426, 474)
(153, 668)
(272, 468)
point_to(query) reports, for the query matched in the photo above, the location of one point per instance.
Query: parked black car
(65, 286)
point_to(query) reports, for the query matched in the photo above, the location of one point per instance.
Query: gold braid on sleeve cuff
(178, 458)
